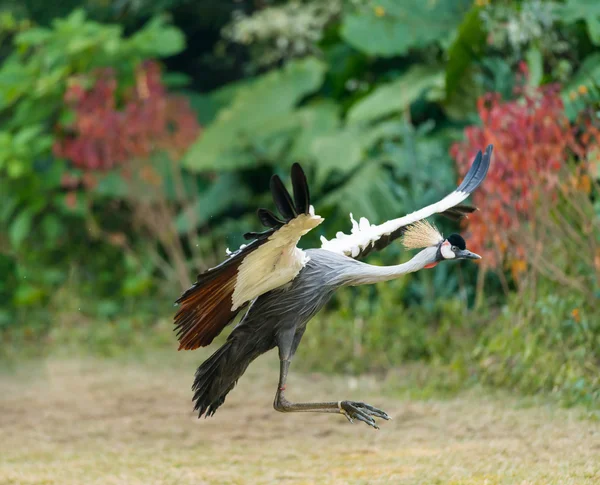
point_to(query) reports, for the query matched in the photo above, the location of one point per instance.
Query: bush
(49, 229)
(547, 339)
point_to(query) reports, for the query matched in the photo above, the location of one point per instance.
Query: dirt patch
(108, 422)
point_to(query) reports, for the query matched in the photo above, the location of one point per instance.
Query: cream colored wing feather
(271, 260)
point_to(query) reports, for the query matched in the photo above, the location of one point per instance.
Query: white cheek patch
(446, 251)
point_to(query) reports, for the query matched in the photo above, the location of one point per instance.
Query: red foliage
(532, 139)
(110, 129)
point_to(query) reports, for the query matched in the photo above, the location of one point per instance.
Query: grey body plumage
(279, 317)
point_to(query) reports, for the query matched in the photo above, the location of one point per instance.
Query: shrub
(47, 230)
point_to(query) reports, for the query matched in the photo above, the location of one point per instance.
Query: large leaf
(158, 38)
(393, 27)
(314, 121)
(588, 10)
(367, 194)
(258, 110)
(20, 228)
(343, 150)
(397, 95)
(466, 49)
(535, 64)
(208, 105)
(339, 151)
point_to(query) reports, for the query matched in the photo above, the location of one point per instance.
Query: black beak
(466, 254)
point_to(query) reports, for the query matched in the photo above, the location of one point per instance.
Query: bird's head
(454, 247)
(422, 234)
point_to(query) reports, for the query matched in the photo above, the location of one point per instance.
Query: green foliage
(586, 79)
(586, 10)
(42, 232)
(393, 28)
(544, 341)
(465, 51)
(253, 121)
(225, 191)
(45, 58)
(398, 95)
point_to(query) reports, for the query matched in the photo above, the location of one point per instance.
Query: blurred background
(137, 139)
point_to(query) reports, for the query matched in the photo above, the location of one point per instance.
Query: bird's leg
(351, 409)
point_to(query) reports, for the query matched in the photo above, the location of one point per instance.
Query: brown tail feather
(206, 308)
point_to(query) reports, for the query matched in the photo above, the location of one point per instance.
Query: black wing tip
(259, 235)
(478, 171)
(268, 219)
(301, 191)
(275, 182)
(288, 208)
(471, 173)
(282, 198)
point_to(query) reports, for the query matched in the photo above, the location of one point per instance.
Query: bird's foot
(362, 412)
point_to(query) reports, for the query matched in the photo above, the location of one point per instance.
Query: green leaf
(176, 79)
(397, 95)
(24, 137)
(28, 295)
(341, 151)
(593, 25)
(535, 63)
(158, 39)
(313, 121)
(52, 227)
(20, 228)
(256, 113)
(111, 185)
(393, 27)
(573, 10)
(32, 37)
(466, 49)
(587, 10)
(136, 285)
(386, 130)
(15, 168)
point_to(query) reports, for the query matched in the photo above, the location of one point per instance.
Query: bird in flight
(280, 287)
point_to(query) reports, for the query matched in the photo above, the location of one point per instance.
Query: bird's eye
(454, 248)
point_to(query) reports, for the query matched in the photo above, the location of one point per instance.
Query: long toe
(362, 412)
(373, 411)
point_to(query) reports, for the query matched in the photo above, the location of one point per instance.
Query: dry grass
(107, 422)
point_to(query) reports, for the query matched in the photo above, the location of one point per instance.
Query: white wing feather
(364, 234)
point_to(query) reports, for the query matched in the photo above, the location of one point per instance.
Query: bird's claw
(362, 412)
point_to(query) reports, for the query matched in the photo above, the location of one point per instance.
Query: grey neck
(366, 274)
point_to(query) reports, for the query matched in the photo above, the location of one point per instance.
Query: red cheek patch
(430, 265)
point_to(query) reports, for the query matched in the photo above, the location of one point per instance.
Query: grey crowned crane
(281, 287)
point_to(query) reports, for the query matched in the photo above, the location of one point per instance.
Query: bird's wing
(268, 262)
(365, 237)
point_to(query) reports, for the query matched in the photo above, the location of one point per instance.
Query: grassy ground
(130, 422)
